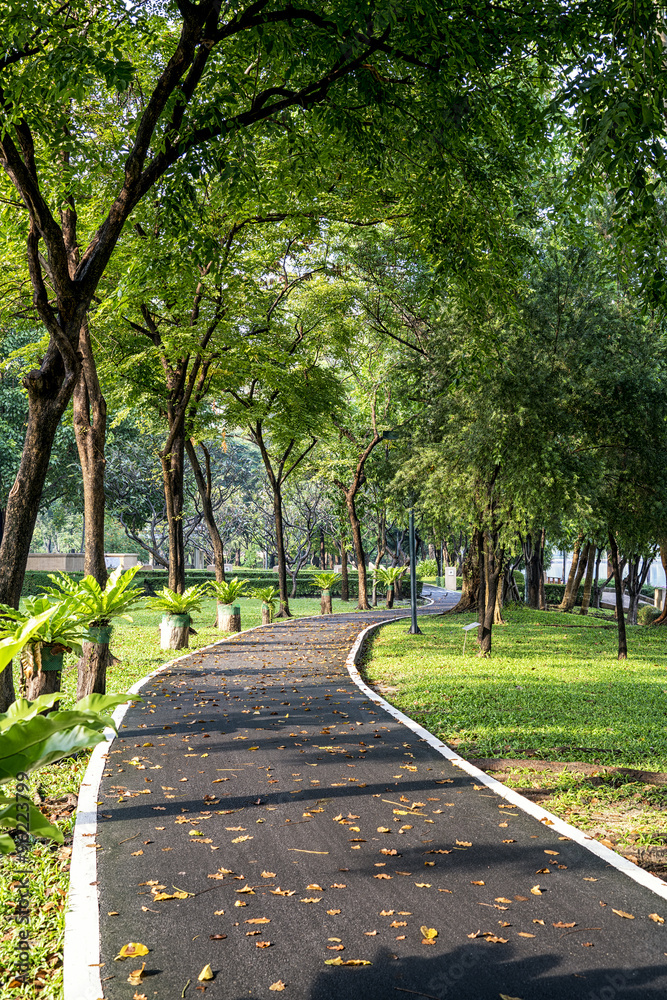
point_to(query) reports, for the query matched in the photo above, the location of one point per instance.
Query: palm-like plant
(171, 603)
(267, 595)
(99, 606)
(388, 575)
(226, 592)
(61, 623)
(325, 581)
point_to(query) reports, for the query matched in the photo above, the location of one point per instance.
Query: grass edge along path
(136, 645)
(553, 691)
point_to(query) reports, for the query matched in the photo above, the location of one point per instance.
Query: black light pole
(414, 628)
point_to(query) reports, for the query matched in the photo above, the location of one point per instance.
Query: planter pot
(325, 603)
(229, 617)
(101, 633)
(52, 660)
(174, 631)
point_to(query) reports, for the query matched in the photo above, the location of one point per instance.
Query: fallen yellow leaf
(383, 829)
(555, 853)
(277, 987)
(258, 920)
(134, 978)
(314, 899)
(428, 932)
(622, 913)
(536, 891)
(132, 949)
(478, 883)
(525, 934)
(268, 875)
(332, 913)
(205, 974)
(656, 918)
(314, 885)
(464, 843)
(240, 840)
(169, 895)
(349, 961)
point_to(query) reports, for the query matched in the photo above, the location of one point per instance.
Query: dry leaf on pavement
(135, 977)
(205, 974)
(131, 950)
(349, 961)
(622, 913)
(277, 987)
(656, 918)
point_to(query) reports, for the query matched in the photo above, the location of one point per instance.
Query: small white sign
(466, 628)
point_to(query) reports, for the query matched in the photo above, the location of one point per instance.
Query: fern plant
(267, 595)
(325, 581)
(388, 575)
(99, 606)
(171, 603)
(226, 592)
(61, 622)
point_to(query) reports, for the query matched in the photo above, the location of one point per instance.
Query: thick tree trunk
(174, 636)
(357, 541)
(49, 391)
(618, 587)
(471, 573)
(574, 579)
(172, 479)
(533, 553)
(267, 617)
(228, 617)
(490, 559)
(344, 578)
(204, 488)
(90, 429)
(390, 597)
(588, 582)
(92, 669)
(325, 603)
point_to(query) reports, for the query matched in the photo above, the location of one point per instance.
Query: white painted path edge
(644, 878)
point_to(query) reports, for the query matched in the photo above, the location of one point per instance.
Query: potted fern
(228, 616)
(176, 609)
(99, 607)
(325, 582)
(387, 577)
(267, 595)
(63, 630)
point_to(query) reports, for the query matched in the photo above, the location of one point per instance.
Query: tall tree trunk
(574, 579)
(471, 572)
(498, 608)
(172, 478)
(533, 554)
(323, 553)
(588, 582)
(597, 591)
(490, 559)
(357, 541)
(618, 587)
(284, 611)
(49, 391)
(381, 549)
(344, 577)
(204, 487)
(90, 429)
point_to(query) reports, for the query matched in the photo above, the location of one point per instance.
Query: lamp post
(414, 627)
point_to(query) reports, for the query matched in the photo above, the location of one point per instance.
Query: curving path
(307, 825)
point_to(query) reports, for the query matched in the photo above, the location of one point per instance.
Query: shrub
(647, 614)
(427, 568)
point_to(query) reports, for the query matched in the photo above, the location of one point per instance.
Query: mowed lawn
(553, 690)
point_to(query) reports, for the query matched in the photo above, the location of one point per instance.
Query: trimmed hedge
(36, 580)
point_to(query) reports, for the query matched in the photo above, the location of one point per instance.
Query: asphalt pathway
(306, 825)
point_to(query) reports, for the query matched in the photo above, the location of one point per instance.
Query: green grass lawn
(136, 645)
(552, 690)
